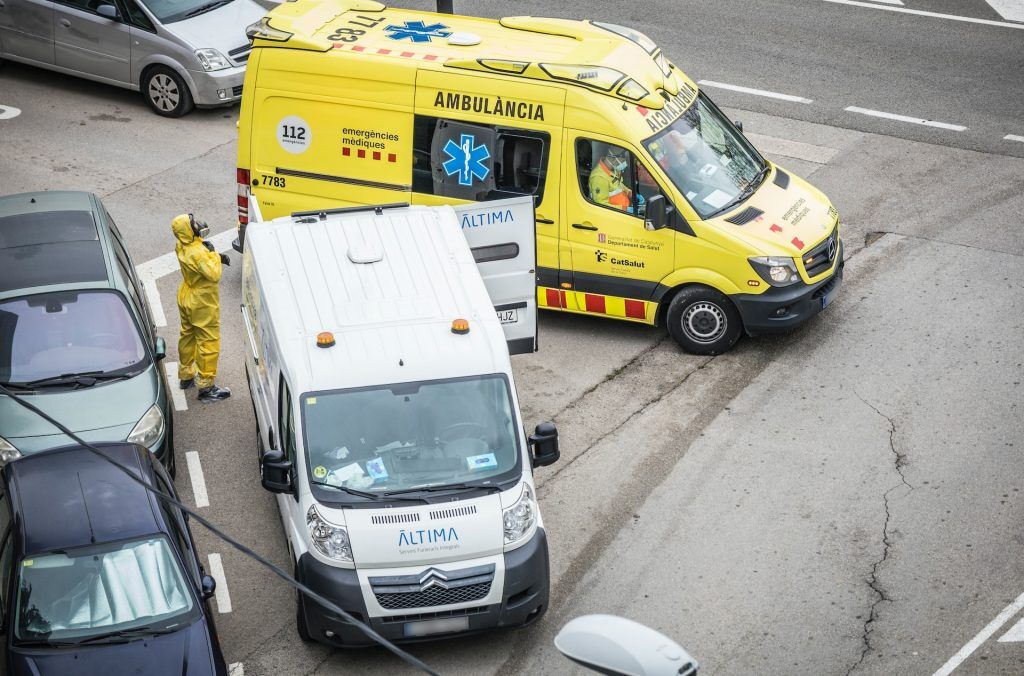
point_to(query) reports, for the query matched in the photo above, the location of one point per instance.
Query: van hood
(184, 652)
(93, 409)
(435, 533)
(222, 29)
(792, 220)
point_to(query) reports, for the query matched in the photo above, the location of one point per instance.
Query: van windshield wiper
(351, 491)
(445, 487)
(751, 188)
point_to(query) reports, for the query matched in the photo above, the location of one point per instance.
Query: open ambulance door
(502, 236)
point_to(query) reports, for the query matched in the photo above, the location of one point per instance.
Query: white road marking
(1013, 137)
(221, 593)
(153, 298)
(755, 92)
(177, 394)
(795, 149)
(890, 2)
(236, 669)
(983, 635)
(1016, 633)
(1008, 9)
(9, 112)
(905, 118)
(935, 15)
(195, 473)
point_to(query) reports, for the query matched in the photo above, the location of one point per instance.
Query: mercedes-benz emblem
(831, 248)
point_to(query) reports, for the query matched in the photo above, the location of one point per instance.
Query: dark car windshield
(707, 159)
(100, 590)
(67, 332)
(411, 436)
(169, 11)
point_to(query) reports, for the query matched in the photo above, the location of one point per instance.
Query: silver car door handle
(65, 23)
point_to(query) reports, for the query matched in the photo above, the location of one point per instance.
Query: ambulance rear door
(502, 236)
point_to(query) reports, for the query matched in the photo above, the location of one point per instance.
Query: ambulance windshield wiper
(445, 487)
(350, 491)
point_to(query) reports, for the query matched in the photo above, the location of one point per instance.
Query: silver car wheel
(704, 322)
(163, 92)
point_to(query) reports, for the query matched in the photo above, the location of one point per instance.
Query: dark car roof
(67, 496)
(49, 238)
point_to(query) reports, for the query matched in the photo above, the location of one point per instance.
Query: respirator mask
(199, 228)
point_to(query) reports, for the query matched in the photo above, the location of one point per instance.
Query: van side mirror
(614, 645)
(209, 586)
(738, 125)
(544, 442)
(277, 471)
(656, 217)
(159, 349)
(108, 12)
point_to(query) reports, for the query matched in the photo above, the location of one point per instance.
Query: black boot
(185, 384)
(214, 393)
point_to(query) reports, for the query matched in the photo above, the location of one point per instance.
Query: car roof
(51, 238)
(69, 497)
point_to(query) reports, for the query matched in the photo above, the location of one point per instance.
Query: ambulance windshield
(410, 436)
(707, 159)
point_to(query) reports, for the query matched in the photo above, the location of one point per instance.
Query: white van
(388, 420)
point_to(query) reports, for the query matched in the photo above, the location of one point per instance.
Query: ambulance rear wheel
(703, 321)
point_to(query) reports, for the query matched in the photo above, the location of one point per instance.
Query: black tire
(703, 320)
(165, 92)
(300, 620)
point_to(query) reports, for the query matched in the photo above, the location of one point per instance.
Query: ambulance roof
(388, 286)
(600, 57)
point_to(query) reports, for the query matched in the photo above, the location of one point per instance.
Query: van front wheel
(300, 620)
(703, 321)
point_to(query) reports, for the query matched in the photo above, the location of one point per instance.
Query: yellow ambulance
(651, 206)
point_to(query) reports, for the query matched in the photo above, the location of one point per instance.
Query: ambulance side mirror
(277, 471)
(159, 349)
(656, 217)
(544, 442)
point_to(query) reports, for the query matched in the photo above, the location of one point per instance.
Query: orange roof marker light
(325, 339)
(460, 326)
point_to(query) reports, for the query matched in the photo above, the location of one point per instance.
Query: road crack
(899, 462)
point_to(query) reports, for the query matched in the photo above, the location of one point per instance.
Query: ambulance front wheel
(703, 321)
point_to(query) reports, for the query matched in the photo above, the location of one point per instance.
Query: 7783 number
(275, 181)
(346, 34)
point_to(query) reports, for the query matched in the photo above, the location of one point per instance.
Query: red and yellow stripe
(597, 304)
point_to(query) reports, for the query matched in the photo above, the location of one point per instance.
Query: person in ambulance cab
(606, 180)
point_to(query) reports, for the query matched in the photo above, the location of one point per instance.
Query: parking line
(221, 593)
(236, 669)
(195, 473)
(934, 15)
(1013, 137)
(156, 307)
(905, 118)
(177, 394)
(755, 92)
(983, 635)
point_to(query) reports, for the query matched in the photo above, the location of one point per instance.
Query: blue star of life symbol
(417, 31)
(467, 159)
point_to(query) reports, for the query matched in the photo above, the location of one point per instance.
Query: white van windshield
(710, 163)
(412, 435)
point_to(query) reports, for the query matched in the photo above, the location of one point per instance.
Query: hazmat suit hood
(181, 226)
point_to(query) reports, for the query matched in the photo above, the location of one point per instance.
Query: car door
(616, 261)
(26, 29)
(502, 237)
(6, 576)
(90, 44)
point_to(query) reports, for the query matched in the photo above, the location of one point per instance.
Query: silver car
(178, 53)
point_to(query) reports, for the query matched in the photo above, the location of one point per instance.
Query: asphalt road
(844, 499)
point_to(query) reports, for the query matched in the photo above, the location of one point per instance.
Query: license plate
(825, 300)
(508, 316)
(444, 625)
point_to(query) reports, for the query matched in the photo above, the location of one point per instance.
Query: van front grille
(820, 258)
(433, 587)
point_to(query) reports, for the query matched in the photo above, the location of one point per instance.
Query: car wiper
(751, 188)
(202, 9)
(350, 491)
(134, 632)
(444, 487)
(17, 386)
(86, 379)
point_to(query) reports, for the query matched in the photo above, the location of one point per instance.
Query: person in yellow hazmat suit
(199, 307)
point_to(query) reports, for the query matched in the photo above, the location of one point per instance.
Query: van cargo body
(388, 420)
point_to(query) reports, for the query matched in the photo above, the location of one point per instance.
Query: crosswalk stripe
(1012, 10)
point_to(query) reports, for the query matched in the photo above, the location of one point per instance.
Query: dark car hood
(184, 653)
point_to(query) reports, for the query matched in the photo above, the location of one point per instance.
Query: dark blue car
(98, 576)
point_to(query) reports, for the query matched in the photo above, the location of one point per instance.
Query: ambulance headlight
(211, 59)
(8, 452)
(329, 539)
(149, 429)
(776, 270)
(520, 518)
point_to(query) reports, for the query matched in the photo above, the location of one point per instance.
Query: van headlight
(776, 270)
(149, 429)
(211, 59)
(329, 539)
(8, 452)
(520, 517)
